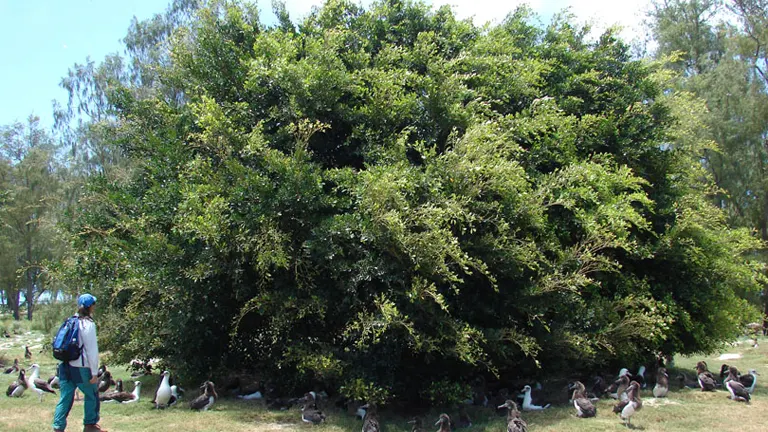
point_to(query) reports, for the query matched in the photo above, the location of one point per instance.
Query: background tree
(29, 193)
(729, 74)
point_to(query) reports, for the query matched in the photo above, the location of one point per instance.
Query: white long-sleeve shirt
(90, 353)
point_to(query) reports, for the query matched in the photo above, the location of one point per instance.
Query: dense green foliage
(725, 63)
(388, 201)
(29, 198)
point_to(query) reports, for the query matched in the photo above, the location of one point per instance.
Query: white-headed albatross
(528, 404)
(163, 393)
(36, 384)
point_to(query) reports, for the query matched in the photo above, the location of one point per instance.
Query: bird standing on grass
(627, 408)
(371, 419)
(36, 384)
(661, 388)
(584, 406)
(16, 388)
(515, 423)
(163, 393)
(444, 422)
(205, 400)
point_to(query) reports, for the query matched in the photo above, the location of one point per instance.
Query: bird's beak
(438, 422)
(502, 406)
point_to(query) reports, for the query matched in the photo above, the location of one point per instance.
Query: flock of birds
(625, 389)
(166, 395)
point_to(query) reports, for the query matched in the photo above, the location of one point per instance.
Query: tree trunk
(30, 294)
(13, 302)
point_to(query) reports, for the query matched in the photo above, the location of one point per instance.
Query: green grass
(684, 410)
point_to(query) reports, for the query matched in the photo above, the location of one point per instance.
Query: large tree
(725, 66)
(29, 193)
(389, 200)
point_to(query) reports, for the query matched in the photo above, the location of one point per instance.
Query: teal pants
(69, 379)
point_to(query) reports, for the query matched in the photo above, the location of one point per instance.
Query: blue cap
(86, 300)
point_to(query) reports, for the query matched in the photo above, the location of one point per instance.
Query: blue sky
(42, 39)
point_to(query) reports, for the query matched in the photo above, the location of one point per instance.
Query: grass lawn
(685, 410)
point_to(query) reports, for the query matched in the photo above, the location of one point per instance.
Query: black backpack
(66, 344)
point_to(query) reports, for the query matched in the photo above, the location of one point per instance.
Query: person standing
(81, 373)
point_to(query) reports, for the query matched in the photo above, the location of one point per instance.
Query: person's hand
(94, 380)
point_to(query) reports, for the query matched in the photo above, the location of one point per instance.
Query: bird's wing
(585, 404)
(199, 402)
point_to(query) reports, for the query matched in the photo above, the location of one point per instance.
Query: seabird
(514, 422)
(724, 372)
(140, 368)
(661, 388)
(627, 408)
(105, 381)
(599, 388)
(163, 393)
(444, 422)
(706, 379)
(14, 368)
(37, 384)
(749, 381)
(371, 419)
(309, 412)
(175, 395)
(584, 406)
(528, 401)
(118, 389)
(418, 424)
(621, 387)
(738, 392)
(102, 369)
(251, 396)
(124, 397)
(54, 381)
(16, 388)
(205, 400)
(27, 353)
